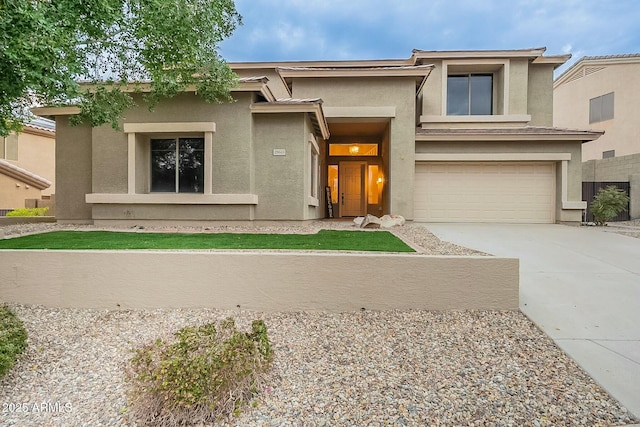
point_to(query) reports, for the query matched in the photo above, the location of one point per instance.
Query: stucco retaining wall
(260, 281)
(17, 220)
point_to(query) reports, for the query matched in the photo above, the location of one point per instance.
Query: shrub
(28, 212)
(204, 375)
(608, 203)
(13, 339)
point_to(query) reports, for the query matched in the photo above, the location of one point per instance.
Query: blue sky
(282, 30)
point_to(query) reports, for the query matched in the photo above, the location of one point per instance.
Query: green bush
(13, 339)
(204, 375)
(28, 212)
(608, 203)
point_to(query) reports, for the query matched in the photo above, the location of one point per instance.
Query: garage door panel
(485, 192)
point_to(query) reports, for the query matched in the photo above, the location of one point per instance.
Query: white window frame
(313, 157)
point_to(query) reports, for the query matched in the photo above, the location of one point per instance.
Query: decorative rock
(358, 221)
(388, 221)
(370, 221)
(400, 367)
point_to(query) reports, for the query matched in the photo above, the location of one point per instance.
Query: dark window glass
(601, 108)
(470, 94)
(191, 174)
(177, 164)
(458, 95)
(607, 106)
(163, 165)
(481, 95)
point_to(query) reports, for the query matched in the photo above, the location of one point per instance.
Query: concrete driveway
(581, 285)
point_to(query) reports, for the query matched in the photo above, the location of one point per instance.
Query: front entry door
(351, 185)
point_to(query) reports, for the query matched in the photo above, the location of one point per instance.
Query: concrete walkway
(581, 285)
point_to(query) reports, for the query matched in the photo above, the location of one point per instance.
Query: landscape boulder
(389, 221)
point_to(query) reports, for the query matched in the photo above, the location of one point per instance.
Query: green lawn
(381, 241)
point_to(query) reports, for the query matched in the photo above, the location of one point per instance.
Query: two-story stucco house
(461, 136)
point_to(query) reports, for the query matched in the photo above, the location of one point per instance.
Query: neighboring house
(603, 93)
(27, 164)
(462, 136)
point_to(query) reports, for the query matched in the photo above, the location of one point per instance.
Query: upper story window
(470, 94)
(177, 165)
(601, 108)
(9, 147)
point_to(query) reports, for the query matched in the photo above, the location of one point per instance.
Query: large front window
(470, 94)
(177, 165)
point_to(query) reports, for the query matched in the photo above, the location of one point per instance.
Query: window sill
(173, 199)
(515, 120)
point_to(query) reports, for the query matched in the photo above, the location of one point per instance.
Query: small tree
(608, 203)
(116, 46)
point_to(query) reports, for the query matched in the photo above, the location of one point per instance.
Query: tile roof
(391, 68)
(624, 55)
(43, 124)
(24, 175)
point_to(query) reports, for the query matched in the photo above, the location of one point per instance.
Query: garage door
(485, 192)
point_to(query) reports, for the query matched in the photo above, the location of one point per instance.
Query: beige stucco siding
(231, 141)
(104, 214)
(279, 179)
(73, 171)
(36, 153)
(571, 106)
(13, 192)
(518, 84)
(109, 160)
(540, 95)
(432, 92)
(397, 92)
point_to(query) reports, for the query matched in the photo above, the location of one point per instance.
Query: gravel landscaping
(405, 368)
(626, 228)
(410, 368)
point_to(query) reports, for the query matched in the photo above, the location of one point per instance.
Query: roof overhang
(533, 54)
(419, 72)
(595, 61)
(23, 175)
(245, 84)
(313, 107)
(365, 63)
(476, 54)
(527, 133)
